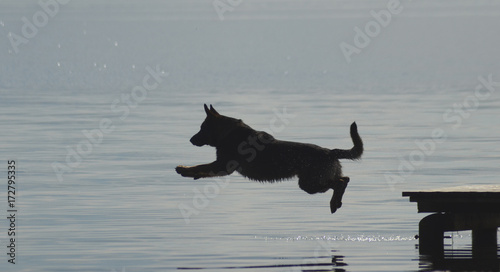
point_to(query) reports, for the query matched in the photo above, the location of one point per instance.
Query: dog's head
(212, 129)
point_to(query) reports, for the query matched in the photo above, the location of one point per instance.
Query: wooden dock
(475, 208)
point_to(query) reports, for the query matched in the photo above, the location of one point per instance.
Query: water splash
(347, 238)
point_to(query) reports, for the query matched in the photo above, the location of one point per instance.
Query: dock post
(484, 243)
(431, 234)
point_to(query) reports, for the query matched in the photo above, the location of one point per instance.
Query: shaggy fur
(257, 155)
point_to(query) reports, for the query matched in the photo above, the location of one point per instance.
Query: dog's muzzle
(196, 140)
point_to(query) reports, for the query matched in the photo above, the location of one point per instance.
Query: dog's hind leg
(339, 187)
(214, 169)
(311, 187)
(313, 183)
(306, 186)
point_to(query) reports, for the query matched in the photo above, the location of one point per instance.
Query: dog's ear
(213, 110)
(207, 111)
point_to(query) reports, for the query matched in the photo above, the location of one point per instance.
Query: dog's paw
(335, 203)
(186, 171)
(333, 208)
(180, 169)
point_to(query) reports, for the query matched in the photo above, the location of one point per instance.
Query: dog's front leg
(214, 169)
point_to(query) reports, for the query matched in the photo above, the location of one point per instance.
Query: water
(71, 97)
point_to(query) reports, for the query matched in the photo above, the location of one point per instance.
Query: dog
(258, 156)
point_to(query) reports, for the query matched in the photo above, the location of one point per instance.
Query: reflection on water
(459, 256)
(308, 264)
(459, 260)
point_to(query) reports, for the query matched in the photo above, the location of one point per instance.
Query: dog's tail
(355, 152)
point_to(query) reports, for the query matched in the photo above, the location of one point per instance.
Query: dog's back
(261, 157)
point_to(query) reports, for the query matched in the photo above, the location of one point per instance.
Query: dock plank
(469, 198)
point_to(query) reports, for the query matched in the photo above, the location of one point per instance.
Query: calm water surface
(124, 208)
(116, 204)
